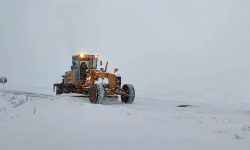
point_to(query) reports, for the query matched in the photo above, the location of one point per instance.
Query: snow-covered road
(63, 122)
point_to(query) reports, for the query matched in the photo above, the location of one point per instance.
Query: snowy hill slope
(225, 87)
(63, 122)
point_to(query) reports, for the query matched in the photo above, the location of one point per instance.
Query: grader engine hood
(114, 81)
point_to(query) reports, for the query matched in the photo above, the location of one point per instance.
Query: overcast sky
(148, 40)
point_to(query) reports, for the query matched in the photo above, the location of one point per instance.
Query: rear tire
(130, 90)
(96, 94)
(58, 90)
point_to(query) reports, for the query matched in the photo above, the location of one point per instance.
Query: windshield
(92, 64)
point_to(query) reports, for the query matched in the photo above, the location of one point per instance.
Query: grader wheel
(130, 91)
(96, 94)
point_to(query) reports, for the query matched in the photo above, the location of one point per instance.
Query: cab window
(94, 64)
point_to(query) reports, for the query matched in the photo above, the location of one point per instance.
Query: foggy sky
(148, 40)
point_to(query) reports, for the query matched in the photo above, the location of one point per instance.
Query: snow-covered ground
(64, 122)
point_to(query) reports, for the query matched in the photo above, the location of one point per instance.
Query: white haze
(150, 41)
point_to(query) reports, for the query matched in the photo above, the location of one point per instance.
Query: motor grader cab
(84, 78)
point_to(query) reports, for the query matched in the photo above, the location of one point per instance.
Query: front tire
(96, 94)
(130, 91)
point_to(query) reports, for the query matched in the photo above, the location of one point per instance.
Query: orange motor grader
(84, 78)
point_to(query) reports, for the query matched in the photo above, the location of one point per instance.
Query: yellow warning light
(81, 55)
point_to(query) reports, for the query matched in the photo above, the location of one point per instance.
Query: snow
(224, 87)
(65, 122)
(193, 53)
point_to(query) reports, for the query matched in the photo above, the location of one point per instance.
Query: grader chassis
(83, 79)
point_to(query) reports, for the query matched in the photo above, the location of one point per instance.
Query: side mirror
(115, 70)
(101, 63)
